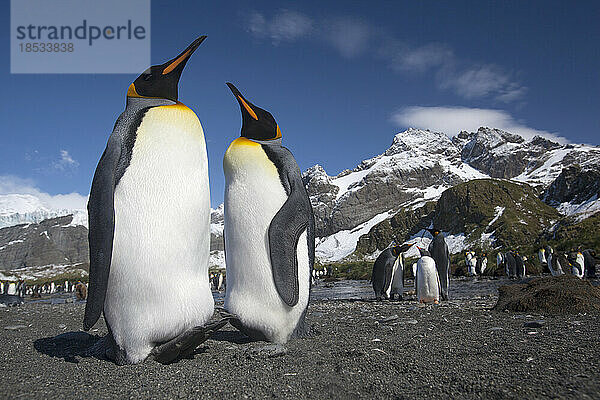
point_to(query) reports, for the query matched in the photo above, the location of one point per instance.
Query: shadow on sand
(236, 337)
(67, 345)
(70, 345)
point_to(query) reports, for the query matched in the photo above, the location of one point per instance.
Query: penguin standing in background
(439, 252)
(589, 263)
(542, 257)
(149, 220)
(12, 288)
(520, 265)
(471, 262)
(500, 260)
(269, 231)
(577, 262)
(510, 265)
(484, 262)
(553, 263)
(427, 280)
(388, 273)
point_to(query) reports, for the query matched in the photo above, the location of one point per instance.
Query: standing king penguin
(269, 231)
(427, 280)
(439, 252)
(149, 218)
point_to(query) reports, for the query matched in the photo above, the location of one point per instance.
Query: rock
(52, 241)
(268, 351)
(10, 300)
(388, 319)
(574, 185)
(565, 294)
(14, 327)
(534, 324)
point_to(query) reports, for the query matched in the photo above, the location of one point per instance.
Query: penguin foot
(184, 344)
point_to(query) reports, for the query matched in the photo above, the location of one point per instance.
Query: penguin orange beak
(243, 102)
(179, 62)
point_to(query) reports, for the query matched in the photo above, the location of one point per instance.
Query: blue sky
(341, 78)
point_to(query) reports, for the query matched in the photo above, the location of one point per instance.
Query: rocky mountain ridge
(420, 165)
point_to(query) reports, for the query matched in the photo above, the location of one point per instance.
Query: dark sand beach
(359, 349)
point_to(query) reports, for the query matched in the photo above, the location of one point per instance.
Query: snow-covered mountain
(18, 209)
(420, 165)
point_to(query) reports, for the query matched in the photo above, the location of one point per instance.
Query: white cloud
(285, 26)
(481, 81)
(10, 184)
(348, 35)
(351, 37)
(422, 58)
(65, 162)
(452, 120)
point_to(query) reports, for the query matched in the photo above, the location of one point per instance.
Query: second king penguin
(269, 231)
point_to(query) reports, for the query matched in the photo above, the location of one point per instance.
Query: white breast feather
(427, 280)
(158, 285)
(253, 195)
(397, 286)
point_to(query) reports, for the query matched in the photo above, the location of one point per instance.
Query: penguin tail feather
(184, 345)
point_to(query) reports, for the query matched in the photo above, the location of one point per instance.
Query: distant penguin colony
(149, 218)
(269, 231)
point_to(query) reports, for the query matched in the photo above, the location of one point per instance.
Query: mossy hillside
(400, 227)
(570, 234)
(473, 208)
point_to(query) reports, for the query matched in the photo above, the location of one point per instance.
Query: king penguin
(589, 263)
(510, 265)
(439, 252)
(388, 273)
(149, 219)
(553, 262)
(427, 280)
(269, 231)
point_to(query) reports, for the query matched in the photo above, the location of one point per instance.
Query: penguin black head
(257, 124)
(403, 248)
(434, 231)
(161, 81)
(424, 252)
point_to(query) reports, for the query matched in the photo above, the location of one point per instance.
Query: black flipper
(294, 218)
(185, 344)
(389, 269)
(101, 215)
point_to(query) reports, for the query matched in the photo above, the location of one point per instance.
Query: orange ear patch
(278, 133)
(131, 92)
(247, 107)
(175, 63)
